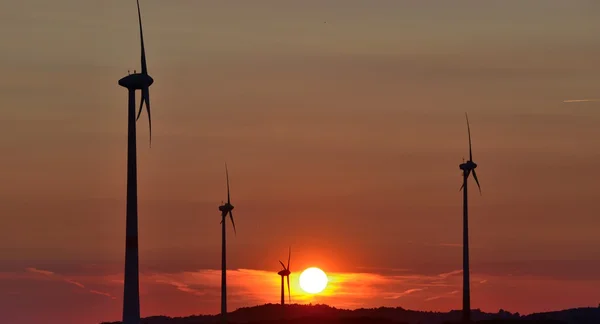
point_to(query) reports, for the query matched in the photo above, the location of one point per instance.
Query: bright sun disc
(313, 280)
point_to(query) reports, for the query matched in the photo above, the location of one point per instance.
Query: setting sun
(313, 280)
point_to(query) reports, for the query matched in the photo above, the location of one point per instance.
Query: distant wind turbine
(137, 81)
(225, 209)
(285, 273)
(467, 168)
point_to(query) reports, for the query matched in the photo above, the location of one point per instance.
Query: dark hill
(588, 315)
(317, 314)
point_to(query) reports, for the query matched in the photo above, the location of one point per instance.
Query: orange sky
(343, 140)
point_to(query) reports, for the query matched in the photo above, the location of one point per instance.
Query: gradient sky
(343, 140)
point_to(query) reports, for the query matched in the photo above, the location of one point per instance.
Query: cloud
(43, 272)
(182, 293)
(78, 284)
(54, 276)
(404, 293)
(451, 273)
(249, 286)
(580, 100)
(447, 295)
(102, 294)
(178, 285)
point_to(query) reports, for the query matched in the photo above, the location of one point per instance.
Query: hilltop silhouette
(317, 314)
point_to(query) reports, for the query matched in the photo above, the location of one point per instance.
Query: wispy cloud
(343, 289)
(581, 100)
(54, 276)
(185, 292)
(449, 274)
(43, 272)
(102, 293)
(447, 295)
(251, 286)
(73, 282)
(404, 293)
(177, 284)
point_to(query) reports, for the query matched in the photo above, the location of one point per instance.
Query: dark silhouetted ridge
(321, 314)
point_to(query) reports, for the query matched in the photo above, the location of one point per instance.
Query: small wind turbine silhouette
(285, 273)
(137, 81)
(467, 168)
(225, 209)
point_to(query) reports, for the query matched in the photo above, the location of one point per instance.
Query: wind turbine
(285, 273)
(136, 81)
(225, 209)
(467, 167)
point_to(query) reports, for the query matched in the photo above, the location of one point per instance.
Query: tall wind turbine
(285, 273)
(467, 168)
(137, 81)
(225, 209)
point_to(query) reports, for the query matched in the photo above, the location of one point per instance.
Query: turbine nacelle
(136, 81)
(226, 208)
(284, 272)
(468, 166)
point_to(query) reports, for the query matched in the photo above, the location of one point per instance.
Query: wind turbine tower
(467, 167)
(137, 81)
(225, 209)
(285, 273)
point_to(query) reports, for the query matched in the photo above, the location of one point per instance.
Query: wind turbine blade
(146, 98)
(144, 67)
(462, 186)
(469, 131)
(283, 265)
(476, 180)
(289, 258)
(227, 176)
(232, 222)
(289, 290)
(141, 106)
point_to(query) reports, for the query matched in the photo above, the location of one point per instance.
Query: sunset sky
(342, 123)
